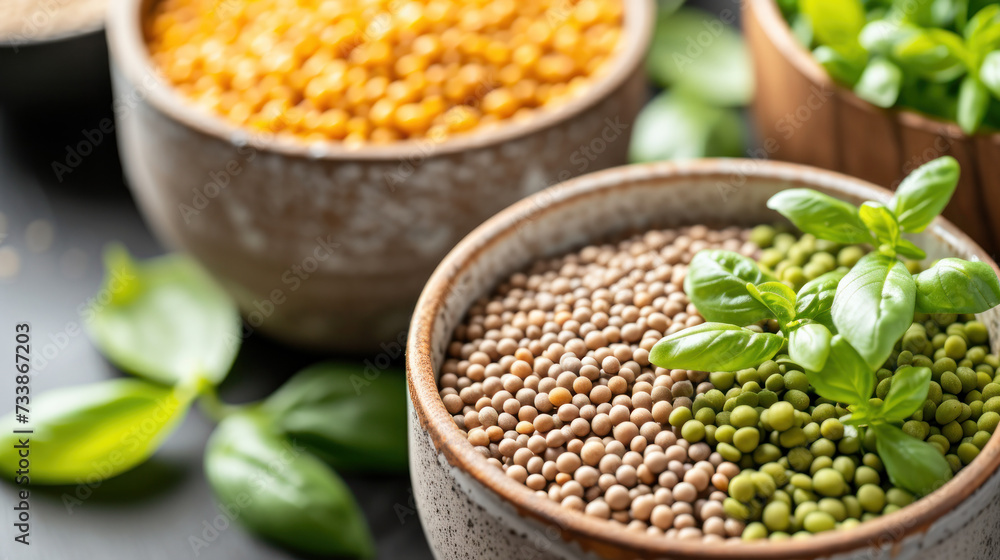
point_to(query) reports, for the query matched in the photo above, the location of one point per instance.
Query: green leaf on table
(844, 377)
(815, 298)
(715, 347)
(777, 297)
(163, 319)
(924, 193)
(822, 215)
(716, 284)
(675, 127)
(281, 491)
(874, 306)
(989, 73)
(697, 53)
(881, 222)
(352, 417)
(957, 286)
(907, 393)
(880, 83)
(973, 100)
(912, 464)
(809, 346)
(95, 431)
(835, 23)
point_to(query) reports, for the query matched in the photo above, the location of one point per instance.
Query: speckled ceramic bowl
(327, 246)
(471, 510)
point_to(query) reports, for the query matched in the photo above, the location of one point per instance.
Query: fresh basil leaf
(716, 283)
(880, 83)
(777, 297)
(954, 43)
(352, 417)
(881, 222)
(907, 249)
(912, 464)
(973, 100)
(880, 36)
(99, 430)
(281, 491)
(873, 306)
(822, 215)
(844, 377)
(816, 298)
(989, 73)
(982, 33)
(834, 23)
(165, 319)
(717, 71)
(957, 286)
(676, 127)
(715, 347)
(907, 393)
(924, 193)
(809, 346)
(842, 68)
(923, 53)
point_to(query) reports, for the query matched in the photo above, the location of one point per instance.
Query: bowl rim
(449, 441)
(780, 35)
(129, 55)
(95, 27)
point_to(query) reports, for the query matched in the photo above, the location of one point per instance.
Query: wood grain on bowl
(802, 116)
(471, 509)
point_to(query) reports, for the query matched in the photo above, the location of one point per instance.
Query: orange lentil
(444, 67)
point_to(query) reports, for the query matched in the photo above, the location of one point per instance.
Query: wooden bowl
(471, 509)
(327, 246)
(802, 116)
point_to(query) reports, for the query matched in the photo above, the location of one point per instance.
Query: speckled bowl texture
(328, 247)
(471, 510)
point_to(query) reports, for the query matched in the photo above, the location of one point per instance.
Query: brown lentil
(568, 341)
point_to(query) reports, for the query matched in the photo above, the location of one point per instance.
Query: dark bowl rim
(780, 35)
(448, 440)
(131, 58)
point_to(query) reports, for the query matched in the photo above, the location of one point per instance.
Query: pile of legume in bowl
(381, 71)
(586, 377)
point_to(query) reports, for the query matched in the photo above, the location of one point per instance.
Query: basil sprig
(731, 291)
(843, 325)
(875, 301)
